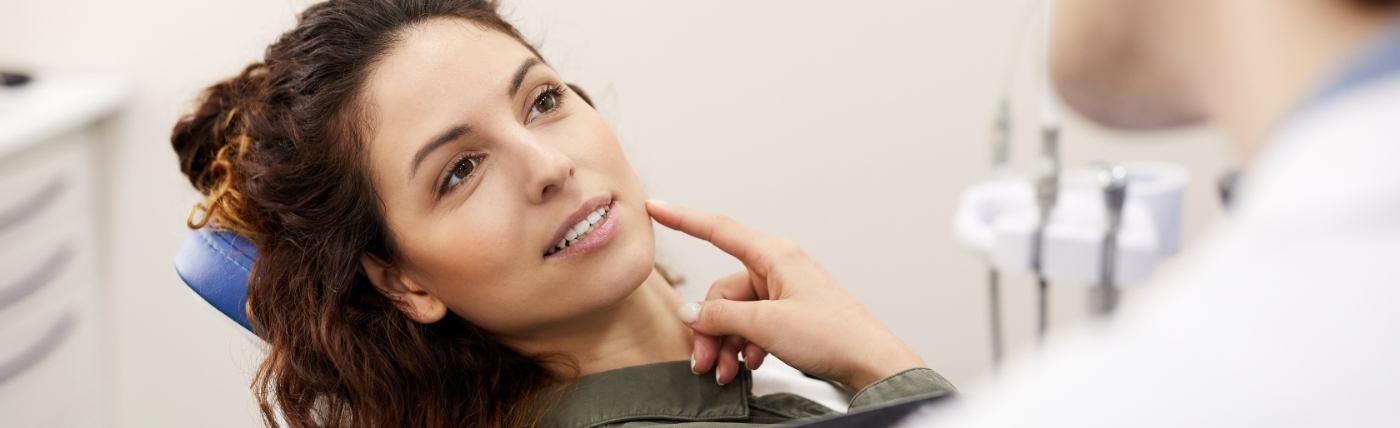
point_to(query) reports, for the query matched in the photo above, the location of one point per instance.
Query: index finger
(742, 242)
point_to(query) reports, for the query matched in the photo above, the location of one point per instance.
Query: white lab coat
(1287, 314)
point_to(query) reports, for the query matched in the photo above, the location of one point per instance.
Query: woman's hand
(783, 303)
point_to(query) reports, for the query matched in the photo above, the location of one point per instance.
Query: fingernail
(717, 378)
(692, 364)
(689, 312)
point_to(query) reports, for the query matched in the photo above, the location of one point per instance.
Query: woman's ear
(407, 295)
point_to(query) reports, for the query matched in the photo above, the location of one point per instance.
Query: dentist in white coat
(1286, 314)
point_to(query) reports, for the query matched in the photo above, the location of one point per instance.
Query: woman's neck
(641, 329)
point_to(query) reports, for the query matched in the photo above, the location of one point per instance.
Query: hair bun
(210, 141)
(217, 123)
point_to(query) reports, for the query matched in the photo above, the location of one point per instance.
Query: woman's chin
(607, 276)
(628, 268)
(623, 273)
(630, 256)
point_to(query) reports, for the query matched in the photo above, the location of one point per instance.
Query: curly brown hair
(278, 153)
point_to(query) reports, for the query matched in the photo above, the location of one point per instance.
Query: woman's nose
(549, 171)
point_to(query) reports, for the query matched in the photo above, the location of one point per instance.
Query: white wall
(849, 127)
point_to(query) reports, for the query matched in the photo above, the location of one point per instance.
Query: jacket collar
(661, 391)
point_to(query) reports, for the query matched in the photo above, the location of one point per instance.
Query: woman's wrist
(880, 365)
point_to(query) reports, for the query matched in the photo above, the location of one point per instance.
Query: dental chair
(215, 264)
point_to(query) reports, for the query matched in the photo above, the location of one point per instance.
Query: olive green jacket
(668, 393)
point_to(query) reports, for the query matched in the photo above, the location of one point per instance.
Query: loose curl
(277, 151)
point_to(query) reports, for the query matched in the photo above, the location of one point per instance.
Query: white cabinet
(52, 348)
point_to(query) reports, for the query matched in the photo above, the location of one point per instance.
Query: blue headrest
(215, 264)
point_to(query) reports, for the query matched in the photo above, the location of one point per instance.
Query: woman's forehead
(445, 57)
(440, 72)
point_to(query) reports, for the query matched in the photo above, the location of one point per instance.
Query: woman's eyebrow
(520, 73)
(440, 140)
(457, 131)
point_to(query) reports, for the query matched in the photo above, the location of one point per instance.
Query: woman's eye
(460, 172)
(548, 101)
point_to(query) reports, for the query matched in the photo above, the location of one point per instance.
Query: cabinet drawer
(48, 373)
(47, 207)
(33, 184)
(41, 257)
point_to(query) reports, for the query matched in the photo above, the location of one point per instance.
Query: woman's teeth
(582, 228)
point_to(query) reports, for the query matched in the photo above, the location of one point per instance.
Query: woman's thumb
(722, 318)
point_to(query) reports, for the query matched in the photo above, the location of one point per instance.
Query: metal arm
(1115, 191)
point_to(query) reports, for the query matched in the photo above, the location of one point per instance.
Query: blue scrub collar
(1378, 59)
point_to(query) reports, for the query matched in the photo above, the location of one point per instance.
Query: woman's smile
(589, 227)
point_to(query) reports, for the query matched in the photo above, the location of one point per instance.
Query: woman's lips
(597, 237)
(580, 221)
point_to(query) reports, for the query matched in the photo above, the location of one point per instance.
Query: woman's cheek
(467, 252)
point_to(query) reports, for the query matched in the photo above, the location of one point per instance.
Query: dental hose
(1048, 175)
(1046, 190)
(1001, 149)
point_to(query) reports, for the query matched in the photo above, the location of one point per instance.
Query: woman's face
(484, 161)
